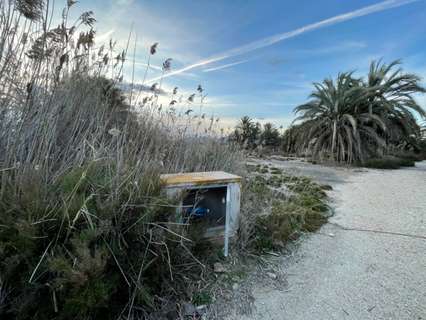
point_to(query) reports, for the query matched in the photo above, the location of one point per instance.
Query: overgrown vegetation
(281, 206)
(85, 231)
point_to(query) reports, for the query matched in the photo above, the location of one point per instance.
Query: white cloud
(268, 41)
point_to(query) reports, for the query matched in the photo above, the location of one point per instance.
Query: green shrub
(410, 155)
(388, 163)
(284, 217)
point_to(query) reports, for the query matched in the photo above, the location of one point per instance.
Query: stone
(189, 309)
(201, 309)
(219, 268)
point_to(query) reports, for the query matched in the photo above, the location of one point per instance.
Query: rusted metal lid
(198, 178)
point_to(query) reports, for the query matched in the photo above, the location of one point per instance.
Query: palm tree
(391, 97)
(352, 118)
(337, 126)
(247, 132)
(423, 130)
(270, 135)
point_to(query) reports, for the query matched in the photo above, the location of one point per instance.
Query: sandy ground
(338, 273)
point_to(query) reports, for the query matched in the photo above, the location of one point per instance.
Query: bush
(410, 155)
(277, 217)
(388, 163)
(91, 252)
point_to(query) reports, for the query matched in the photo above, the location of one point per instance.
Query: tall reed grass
(85, 231)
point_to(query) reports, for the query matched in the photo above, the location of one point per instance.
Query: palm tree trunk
(333, 141)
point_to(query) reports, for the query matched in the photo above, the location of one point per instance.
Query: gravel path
(351, 274)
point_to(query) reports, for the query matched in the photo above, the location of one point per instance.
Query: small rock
(235, 286)
(219, 268)
(189, 309)
(202, 309)
(271, 275)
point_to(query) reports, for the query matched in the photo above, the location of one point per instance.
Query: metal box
(212, 196)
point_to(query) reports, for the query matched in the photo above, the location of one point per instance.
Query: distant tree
(256, 135)
(270, 135)
(292, 137)
(246, 133)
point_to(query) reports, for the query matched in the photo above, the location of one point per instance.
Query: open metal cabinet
(210, 197)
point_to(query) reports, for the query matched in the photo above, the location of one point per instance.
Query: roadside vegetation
(279, 207)
(85, 230)
(373, 121)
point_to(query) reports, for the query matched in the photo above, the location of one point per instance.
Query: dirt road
(369, 262)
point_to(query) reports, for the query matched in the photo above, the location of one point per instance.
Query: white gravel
(346, 274)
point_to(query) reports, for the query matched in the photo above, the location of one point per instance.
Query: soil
(368, 262)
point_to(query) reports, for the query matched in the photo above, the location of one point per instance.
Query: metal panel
(198, 178)
(234, 210)
(178, 183)
(227, 218)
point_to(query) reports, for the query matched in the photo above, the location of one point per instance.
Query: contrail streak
(104, 37)
(268, 41)
(226, 66)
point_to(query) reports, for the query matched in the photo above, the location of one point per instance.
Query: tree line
(350, 119)
(250, 134)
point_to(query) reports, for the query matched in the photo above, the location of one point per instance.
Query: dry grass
(85, 231)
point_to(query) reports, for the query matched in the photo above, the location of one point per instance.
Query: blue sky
(244, 52)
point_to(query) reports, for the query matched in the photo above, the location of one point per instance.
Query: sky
(260, 58)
